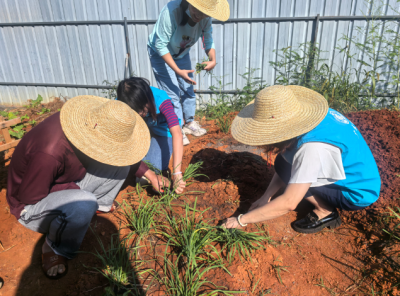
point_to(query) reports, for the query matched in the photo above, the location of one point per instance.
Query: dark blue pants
(329, 194)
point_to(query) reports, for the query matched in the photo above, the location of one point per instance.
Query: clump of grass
(236, 241)
(278, 268)
(190, 280)
(190, 237)
(120, 266)
(141, 218)
(395, 215)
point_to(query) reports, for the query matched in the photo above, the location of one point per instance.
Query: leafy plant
(17, 131)
(190, 237)
(191, 171)
(44, 110)
(24, 117)
(120, 266)
(236, 241)
(200, 66)
(9, 115)
(32, 122)
(35, 103)
(141, 218)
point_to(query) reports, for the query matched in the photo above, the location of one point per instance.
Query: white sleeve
(317, 163)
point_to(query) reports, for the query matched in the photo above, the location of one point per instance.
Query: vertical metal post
(128, 47)
(313, 48)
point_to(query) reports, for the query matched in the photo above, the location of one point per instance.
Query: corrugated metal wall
(90, 54)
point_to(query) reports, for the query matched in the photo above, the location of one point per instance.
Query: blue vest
(160, 126)
(362, 184)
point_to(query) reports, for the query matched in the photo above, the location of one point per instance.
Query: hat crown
(275, 103)
(114, 120)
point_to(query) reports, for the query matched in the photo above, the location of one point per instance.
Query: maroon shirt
(44, 162)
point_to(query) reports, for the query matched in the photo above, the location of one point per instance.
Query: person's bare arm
(281, 205)
(273, 187)
(177, 154)
(183, 73)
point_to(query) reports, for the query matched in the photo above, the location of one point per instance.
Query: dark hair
(136, 93)
(185, 18)
(281, 146)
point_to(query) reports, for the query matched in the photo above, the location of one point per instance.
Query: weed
(43, 111)
(397, 216)
(190, 281)
(278, 268)
(141, 219)
(190, 237)
(35, 103)
(111, 93)
(238, 241)
(17, 131)
(322, 285)
(200, 66)
(32, 122)
(116, 266)
(9, 115)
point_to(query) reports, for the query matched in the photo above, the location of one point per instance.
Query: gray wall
(90, 54)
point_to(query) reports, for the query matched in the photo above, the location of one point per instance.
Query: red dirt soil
(350, 260)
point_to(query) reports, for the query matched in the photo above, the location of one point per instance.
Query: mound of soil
(347, 261)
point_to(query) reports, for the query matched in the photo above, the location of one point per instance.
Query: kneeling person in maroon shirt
(71, 165)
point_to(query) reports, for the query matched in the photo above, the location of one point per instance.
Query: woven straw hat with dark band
(218, 9)
(279, 113)
(105, 130)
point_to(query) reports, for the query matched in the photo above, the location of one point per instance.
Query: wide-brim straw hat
(106, 130)
(279, 113)
(218, 9)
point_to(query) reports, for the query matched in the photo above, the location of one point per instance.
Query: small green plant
(32, 122)
(236, 241)
(112, 92)
(395, 215)
(35, 103)
(190, 280)
(120, 266)
(17, 131)
(9, 115)
(190, 236)
(43, 111)
(278, 268)
(141, 218)
(191, 171)
(322, 285)
(24, 117)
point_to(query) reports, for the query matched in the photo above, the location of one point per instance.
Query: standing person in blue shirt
(180, 24)
(322, 158)
(156, 108)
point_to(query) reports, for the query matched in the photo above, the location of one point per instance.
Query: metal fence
(69, 48)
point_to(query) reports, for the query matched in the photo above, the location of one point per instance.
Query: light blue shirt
(169, 37)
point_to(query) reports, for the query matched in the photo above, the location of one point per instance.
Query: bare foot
(55, 269)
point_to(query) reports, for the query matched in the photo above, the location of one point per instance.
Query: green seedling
(278, 268)
(236, 241)
(322, 285)
(191, 172)
(120, 266)
(397, 216)
(44, 110)
(17, 131)
(191, 280)
(190, 236)
(32, 122)
(141, 218)
(35, 103)
(24, 117)
(9, 115)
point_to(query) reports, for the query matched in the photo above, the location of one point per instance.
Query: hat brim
(313, 108)
(220, 12)
(76, 125)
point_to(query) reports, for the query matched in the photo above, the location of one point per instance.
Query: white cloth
(317, 163)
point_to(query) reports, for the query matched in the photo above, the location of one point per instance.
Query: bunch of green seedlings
(9, 115)
(190, 237)
(141, 219)
(17, 131)
(235, 241)
(200, 66)
(120, 266)
(35, 103)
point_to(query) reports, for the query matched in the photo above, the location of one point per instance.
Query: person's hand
(231, 222)
(210, 65)
(159, 182)
(179, 184)
(185, 75)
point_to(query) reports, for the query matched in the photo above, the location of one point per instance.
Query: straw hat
(279, 113)
(218, 9)
(106, 130)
